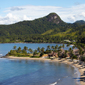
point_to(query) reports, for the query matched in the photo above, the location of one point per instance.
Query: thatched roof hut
(53, 54)
(76, 52)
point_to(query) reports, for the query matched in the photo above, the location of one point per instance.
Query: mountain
(37, 26)
(80, 22)
(46, 29)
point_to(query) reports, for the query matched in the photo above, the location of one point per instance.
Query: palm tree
(25, 48)
(65, 53)
(70, 52)
(70, 49)
(52, 47)
(35, 52)
(30, 50)
(14, 47)
(56, 46)
(38, 49)
(59, 48)
(42, 49)
(73, 47)
(81, 52)
(59, 51)
(48, 47)
(19, 50)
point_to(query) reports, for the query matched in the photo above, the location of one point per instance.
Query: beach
(66, 61)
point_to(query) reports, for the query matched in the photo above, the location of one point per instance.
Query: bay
(33, 72)
(6, 47)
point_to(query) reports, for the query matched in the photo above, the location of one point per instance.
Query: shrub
(83, 58)
(41, 54)
(74, 57)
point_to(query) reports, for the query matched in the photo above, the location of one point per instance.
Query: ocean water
(30, 72)
(34, 72)
(6, 47)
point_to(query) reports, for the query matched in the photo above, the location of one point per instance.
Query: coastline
(65, 61)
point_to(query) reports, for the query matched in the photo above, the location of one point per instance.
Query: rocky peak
(53, 17)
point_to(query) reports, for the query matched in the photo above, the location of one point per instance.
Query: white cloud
(71, 18)
(8, 19)
(20, 13)
(16, 8)
(82, 14)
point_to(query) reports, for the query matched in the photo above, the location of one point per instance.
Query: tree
(70, 49)
(81, 52)
(52, 47)
(12, 52)
(48, 47)
(30, 50)
(24, 51)
(38, 49)
(65, 54)
(19, 50)
(59, 48)
(42, 49)
(73, 47)
(81, 39)
(25, 48)
(35, 52)
(56, 47)
(59, 51)
(70, 52)
(14, 47)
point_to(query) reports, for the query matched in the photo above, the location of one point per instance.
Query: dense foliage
(47, 29)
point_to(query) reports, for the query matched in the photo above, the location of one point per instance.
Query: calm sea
(32, 72)
(6, 47)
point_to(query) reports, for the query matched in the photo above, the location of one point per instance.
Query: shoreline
(65, 61)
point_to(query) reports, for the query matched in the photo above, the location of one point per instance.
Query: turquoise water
(33, 72)
(6, 47)
(30, 72)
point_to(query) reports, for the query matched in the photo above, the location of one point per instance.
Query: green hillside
(46, 29)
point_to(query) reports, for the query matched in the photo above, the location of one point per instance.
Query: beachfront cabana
(53, 54)
(76, 52)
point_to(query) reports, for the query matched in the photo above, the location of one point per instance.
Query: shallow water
(34, 72)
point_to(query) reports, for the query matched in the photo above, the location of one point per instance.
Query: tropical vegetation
(47, 29)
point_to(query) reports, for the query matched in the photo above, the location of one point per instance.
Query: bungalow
(76, 52)
(53, 54)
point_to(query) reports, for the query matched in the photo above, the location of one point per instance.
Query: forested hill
(37, 26)
(46, 29)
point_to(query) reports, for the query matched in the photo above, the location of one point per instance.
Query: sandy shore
(80, 68)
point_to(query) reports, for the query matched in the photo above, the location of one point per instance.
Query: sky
(12, 11)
